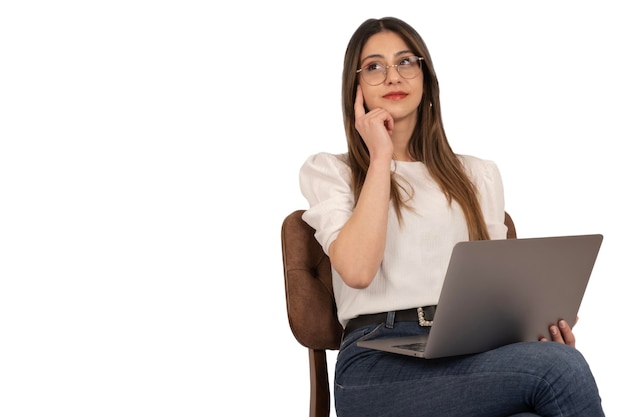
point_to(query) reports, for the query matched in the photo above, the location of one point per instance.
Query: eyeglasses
(375, 73)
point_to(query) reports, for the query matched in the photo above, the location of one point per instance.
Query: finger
(389, 124)
(555, 334)
(359, 110)
(566, 333)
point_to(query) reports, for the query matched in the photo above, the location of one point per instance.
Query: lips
(395, 95)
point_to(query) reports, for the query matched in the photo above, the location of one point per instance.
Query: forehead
(384, 44)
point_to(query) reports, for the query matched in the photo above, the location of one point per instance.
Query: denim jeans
(544, 378)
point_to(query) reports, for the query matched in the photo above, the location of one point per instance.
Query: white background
(149, 151)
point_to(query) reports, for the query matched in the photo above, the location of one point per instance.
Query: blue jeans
(544, 378)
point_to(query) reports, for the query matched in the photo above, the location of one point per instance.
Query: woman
(388, 214)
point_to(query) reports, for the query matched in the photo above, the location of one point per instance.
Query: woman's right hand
(375, 127)
(358, 251)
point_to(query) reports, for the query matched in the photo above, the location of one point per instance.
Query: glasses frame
(386, 69)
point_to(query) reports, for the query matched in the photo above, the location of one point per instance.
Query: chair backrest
(311, 308)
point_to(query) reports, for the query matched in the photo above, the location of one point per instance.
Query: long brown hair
(428, 142)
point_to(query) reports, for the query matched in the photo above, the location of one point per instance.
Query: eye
(373, 67)
(408, 61)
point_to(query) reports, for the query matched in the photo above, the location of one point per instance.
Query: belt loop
(391, 318)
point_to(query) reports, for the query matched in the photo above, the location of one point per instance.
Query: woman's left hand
(561, 333)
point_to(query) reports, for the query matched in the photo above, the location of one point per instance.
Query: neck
(403, 157)
(402, 131)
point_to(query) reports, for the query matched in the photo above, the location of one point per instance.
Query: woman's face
(398, 95)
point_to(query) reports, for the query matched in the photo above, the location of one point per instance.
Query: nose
(393, 75)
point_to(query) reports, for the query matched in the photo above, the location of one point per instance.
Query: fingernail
(553, 330)
(562, 324)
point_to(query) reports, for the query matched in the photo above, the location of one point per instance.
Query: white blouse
(416, 253)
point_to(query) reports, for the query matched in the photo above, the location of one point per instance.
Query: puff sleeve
(487, 178)
(325, 182)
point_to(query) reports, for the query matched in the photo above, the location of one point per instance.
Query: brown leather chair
(311, 308)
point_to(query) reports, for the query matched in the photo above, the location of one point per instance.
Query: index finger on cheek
(358, 102)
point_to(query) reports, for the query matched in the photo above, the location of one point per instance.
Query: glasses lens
(374, 73)
(409, 67)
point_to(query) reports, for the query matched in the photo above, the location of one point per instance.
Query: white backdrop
(149, 152)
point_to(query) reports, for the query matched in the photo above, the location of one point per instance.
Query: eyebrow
(404, 51)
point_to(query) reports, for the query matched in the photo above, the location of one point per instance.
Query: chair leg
(320, 394)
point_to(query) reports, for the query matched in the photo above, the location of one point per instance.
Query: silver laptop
(498, 292)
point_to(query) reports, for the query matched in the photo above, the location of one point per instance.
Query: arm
(358, 251)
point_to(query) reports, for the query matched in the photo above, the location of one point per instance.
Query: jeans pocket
(363, 333)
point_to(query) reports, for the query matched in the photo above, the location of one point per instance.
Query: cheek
(421, 98)
(368, 101)
(419, 92)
